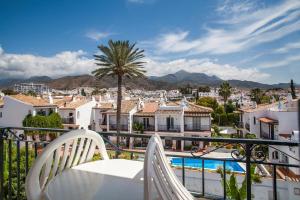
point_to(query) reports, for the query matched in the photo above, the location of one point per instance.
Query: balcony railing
(165, 128)
(68, 120)
(149, 128)
(17, 152)
(240, 124)
(265, 135)
(113, 127)
(247, 126)
(197, 128)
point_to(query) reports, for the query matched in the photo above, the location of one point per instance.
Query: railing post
(1, 165)
(183, 172)
(248, 170)
(18, 169)
(9, 170)
(274, 183)
(224, 178)
(203, 178)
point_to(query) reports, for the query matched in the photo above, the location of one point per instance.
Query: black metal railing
(18, 150)
(68, 120)
(166, 128)
(149, 128)
(113, 127)
(196, 127)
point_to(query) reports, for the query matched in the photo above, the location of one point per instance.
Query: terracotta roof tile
(192, 108)
(126, 106)
(149, 108)
(73, 104)
(35, 101)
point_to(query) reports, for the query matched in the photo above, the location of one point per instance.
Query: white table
(104, 179)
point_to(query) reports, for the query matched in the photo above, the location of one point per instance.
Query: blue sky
(256, 40)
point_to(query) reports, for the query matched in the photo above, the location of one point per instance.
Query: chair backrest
(66, 151)
(159, 177)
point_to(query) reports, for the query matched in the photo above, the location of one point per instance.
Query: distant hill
(183, 77)
(10, 82)
(170, 81)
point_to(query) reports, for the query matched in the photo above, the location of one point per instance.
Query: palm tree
(256, 95)
(119, 59)
(225, 91)
(292, 86)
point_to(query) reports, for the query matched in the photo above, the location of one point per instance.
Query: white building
(16, 107)
(166, 119)
(277, 121)
(37, 88)
(76, 112)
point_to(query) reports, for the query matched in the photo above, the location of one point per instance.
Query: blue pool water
(208, 164)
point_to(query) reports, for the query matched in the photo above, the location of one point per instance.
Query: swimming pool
(208, 164)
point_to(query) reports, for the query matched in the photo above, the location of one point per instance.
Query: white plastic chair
(159, 176)
(66, 151)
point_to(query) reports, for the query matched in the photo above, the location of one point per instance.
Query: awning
(268, 120)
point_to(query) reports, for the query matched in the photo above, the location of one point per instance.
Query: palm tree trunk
(119, 101)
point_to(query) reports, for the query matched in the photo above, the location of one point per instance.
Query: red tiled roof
(34, 101)
(267, 120)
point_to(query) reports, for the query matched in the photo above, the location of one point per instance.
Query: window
(254, 120)
(275, 155)
(146, 122)
(170, 122)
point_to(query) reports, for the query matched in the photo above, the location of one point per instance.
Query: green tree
(225, 91)
(138, 127)
(204, 89)
(293, 92)
(208, 102)
(96, 91)
(265, 99)
(31, 93)
(233, 190)
(229, 107)
(82, 92)
(119, 59)
(9, 92)
(256, 95)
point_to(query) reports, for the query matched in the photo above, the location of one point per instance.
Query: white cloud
(207, 66)
(281, 63)
(75, 63)
(251, 29)
(96, 35)
(135, 1)
(236, 6)
(61, 64)
(288, 47)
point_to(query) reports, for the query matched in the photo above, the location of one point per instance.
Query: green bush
(13, 156)
(51, 121)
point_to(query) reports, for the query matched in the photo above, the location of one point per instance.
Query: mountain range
(169, 81)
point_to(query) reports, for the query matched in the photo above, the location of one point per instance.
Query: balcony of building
(198, 171)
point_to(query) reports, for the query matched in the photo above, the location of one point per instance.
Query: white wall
(14, 112)
(213, 185)
(85, 114)
(64, 113)
(162, 118)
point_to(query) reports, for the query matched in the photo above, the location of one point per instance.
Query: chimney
(50, 99)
